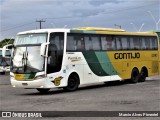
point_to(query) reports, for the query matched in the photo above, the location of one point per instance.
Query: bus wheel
(43, 90)
(73, 83)
(143, 75)
(134, 75)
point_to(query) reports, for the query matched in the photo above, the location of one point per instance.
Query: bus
(67, 58)
(158, 32)
(4, 62)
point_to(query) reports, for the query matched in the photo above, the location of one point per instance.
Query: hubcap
(72, 83)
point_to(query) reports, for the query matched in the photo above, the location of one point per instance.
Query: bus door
(55, 52)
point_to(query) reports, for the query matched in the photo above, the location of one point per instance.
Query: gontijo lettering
(127, 55)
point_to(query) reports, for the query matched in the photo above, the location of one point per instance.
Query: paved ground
(120, 97)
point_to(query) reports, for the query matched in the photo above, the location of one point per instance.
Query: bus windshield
(5, 61)
(36, 38)
(26, 57)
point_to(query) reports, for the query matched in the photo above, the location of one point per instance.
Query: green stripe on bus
(94, 63)
(82, 31)
(106, 63)
(99, 63)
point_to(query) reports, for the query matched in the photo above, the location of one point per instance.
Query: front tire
(73, 83)
(43, 90)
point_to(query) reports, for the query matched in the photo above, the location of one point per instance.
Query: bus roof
(90, 30)
(112, 31)
(99, 29)
(44, 31)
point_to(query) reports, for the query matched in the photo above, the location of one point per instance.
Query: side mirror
(43, 48)
(5, 49)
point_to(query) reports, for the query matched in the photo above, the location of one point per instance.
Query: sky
(131, 15)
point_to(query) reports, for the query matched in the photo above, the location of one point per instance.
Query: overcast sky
(20, 15)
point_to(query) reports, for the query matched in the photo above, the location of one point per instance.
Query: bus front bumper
(40, 83)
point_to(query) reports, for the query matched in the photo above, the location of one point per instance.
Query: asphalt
(124, 96)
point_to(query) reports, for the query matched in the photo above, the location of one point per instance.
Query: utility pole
(40, 23)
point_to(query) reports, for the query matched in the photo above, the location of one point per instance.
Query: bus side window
(143, 45)
(131, 43)
(96, 43)
(104, 43)
(108, 43)
(134, 43)
(79, 42)
(71, 43)
(75, 42)
(88, 43)
(118, 43)
(125, 44)
(154, 44)
(147, 43)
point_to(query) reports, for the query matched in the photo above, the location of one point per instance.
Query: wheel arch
(73, 73)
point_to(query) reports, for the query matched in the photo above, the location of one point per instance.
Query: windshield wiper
(24, 60)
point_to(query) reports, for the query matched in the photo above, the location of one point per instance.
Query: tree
(6, 42)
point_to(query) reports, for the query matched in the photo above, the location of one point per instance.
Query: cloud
(102, 2)
(76, 13)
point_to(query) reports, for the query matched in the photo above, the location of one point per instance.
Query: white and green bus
(66, 58)
(4, 62)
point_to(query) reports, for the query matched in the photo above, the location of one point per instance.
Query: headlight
(2, 68)
(39, 77)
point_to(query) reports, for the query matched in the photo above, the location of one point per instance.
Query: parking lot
(144, 96)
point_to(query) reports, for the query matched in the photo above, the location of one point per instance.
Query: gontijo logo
(127, 55)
